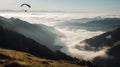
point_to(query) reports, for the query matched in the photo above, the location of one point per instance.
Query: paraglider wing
(26, 5)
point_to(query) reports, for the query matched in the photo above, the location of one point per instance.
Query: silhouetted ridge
(37, 33)
(13, 40)
(106, 39)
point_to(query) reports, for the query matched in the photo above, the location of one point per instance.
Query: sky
(64, 5)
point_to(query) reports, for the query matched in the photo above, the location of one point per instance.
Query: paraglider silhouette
(25, 5)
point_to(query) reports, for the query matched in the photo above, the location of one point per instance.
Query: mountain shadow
(13, 40)
(40, 33)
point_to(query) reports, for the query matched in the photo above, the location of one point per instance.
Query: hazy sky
(64, 5)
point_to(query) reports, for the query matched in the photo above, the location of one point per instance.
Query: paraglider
(26, 5)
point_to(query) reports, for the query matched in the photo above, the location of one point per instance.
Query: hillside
(38, 32)
(106, 39)
(112, 59)
(111, 40)
(12, 58)
(16, 41)
(93, 24)
(10, 39)
(114, 52)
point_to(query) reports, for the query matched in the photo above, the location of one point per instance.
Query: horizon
(101, 6)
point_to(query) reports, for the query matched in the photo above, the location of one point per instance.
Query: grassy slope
(12, 58)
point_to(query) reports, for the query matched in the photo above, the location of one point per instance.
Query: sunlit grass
(12, 58)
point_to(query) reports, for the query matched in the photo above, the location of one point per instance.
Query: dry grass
(12, 58)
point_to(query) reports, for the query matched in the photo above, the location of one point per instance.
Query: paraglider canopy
(25, 5)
